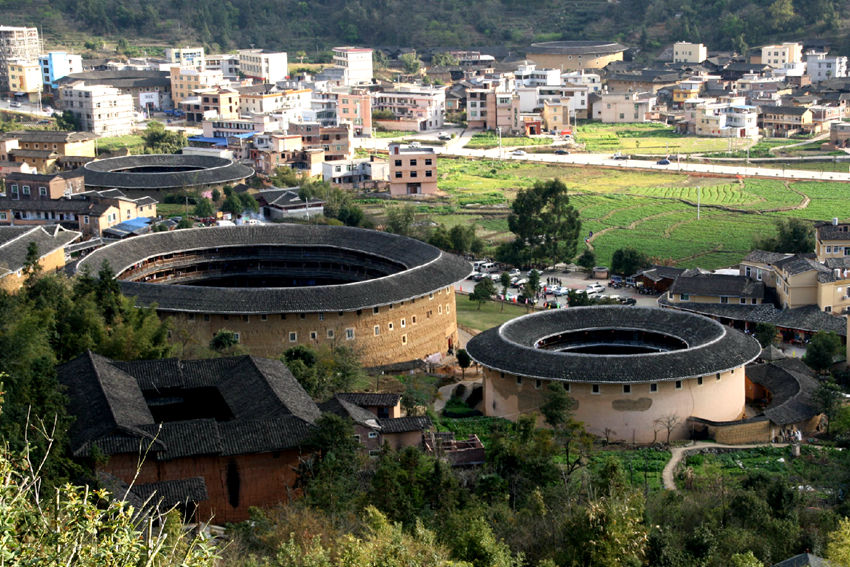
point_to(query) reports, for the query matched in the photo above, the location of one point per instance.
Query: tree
(301, 55)
(668, 422)
(557, 411)
(410, 62)
(440, 238)
(215, 195)
(765, 334)
(545, 224)
(795, 236)
(821, 350)
(745, 560)
(158, 140)
(838, 544)
(828, 398)
(531, 288)
(587, 259)
(32, 266)
(249, 203)
(505, 280)
(68, 121)
(204, 208)
(400, 219)
(185, 223)
(443, 60)
(233, 204)
(483, 291)
(325, 370)
(464, 361)
(627, 261)
(224, 341)
(463, 238)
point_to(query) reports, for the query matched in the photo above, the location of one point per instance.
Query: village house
(786, 120)
(413, 170)
(15, 242)
(624, 107)
(46, 150)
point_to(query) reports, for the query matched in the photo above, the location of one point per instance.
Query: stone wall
(742, 432)
(628, 416)
(406, 331)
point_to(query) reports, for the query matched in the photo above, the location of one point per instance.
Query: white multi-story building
(16, 43)
(821, 66)
(356, 63)
(413, 107)
(592, 81)
(528, 75)
(723, 119)
(227, 63)
(102, 110)
(686, 52)
(618, 108)
(186, 56)
(267, 98)
(263, 66)
(779, 55)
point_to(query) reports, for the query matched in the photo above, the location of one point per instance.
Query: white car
(514, 273)
(595, 287)
(518, 153)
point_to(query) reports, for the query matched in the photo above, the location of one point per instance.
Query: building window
(313, 335)
(519, 380)
(3, 216)
(678, 384)
(699, 381)
(206, 317)
(283, 316)
(440, 309)
(376, 310)
(684, 296)
(377, 330)
(627, 388)
(85, 219)
(429, 173)
(718, 377)
(398, 163)
(404, 339)
(653, 388)
(724, 299)
(245, 318)
(321, 316)
(236, 337)
(25, 189)
(390, 326)
(330, 333)
(349, 334)
(42, 191)
(566, 386)
(403, 323)
(413, 319)
(828, 251)
(372, 435)
(742, 300)
(594, 389)
(293, 337)
(398, 175)
(537, 384)
(302, 315)
(413, 163)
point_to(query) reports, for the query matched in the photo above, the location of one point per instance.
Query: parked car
(562, 152)
(664, 161)
(628, 301)
(520, 282)
(15, 104)
(444, 136)
(616, 281)
(620, 156)
(596, 286)
(518, 153)
(476, 276)
(514, 272)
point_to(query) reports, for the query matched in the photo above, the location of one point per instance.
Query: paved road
(455, 148)
(680, 452)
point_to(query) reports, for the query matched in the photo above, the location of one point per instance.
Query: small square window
(236, 336)
(377, 330)
(376, 310)
(718, 377)
(519, 380)
(302, 315)
(206, 317)
(372, 435)
(390, 326)
(594, 389)
(538, 384)
(313, 335)
(404, 339)
(440, 309)
(330, 333)
(245, 318)
(321, 316)
(349, 334)
(403, 323)
(653, 388)
(678, 384)
(627, 388)
(283, 316)
(264, 317)
(566, 386)
(699, 381)
(293, 337)
(413, 320)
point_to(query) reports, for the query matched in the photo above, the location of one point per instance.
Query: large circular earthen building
(630, 370)
(575, 55)
(162, 173)
(277, 286)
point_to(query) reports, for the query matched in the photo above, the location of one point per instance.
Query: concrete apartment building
(102, 110)
(217, 102)
(219, 127)
(38, 187)
(614, 108)
(335, 141)
(345, 107)
(25, 79)
(414, 108)
(57, 64)
(268, 98)
(356, 63)
(778, 55)
(185, 81)
(686, 52)
(722, 119)
(263, 66)
(592, 81)
(227, 63)
(413, 170)
(16, 43)
(186, 56)
(820, 66)
(356, 172)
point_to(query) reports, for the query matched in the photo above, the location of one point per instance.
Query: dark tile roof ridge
(404, 424)
(97, 361)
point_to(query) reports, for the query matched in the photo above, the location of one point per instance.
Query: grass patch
(133, 142)
(489, 140)
(463, 427)
(489, 316)
(391, 133)
(172, 209)
(642, 138)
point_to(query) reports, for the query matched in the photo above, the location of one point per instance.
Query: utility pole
(500, 141)
(699, 195)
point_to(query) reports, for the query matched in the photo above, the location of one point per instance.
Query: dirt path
(680, 452)
(630, 226)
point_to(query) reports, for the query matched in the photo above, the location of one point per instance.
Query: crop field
(653, 212)
(647, 138)
(489, 140)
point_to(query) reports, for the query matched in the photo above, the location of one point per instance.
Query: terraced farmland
(654, 212)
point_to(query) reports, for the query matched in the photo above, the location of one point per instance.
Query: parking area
(570, 280)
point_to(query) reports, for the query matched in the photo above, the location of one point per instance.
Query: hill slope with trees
(320, 24)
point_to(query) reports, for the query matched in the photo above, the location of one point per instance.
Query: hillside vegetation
(316, 25)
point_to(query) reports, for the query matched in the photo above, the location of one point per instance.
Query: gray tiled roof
(428, 269)
(798, 264)
(712, 347)
(791, 385)
(766, 257)
(343, 408)
(270, 411)
(48, 136)
(807, 318)
(833, 232)
(804, 560)
(368, 399)
(172, 492)
(211, 170)
(788, 110)
(404, 424)
(14, 242)
(694, 282)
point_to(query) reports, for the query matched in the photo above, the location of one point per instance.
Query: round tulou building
(281, 285)
(632, 371)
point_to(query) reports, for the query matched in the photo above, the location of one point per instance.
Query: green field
(648, 138)
(133, 142)
(489, 316)
(392, 133)
(654, 212)
(489, 140)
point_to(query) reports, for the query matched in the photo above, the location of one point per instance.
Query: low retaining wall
(741, 432)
